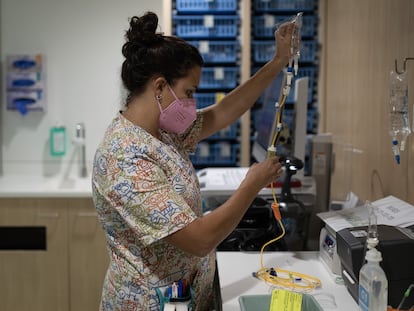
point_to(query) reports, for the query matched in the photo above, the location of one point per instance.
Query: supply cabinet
(213, 27)
(218, 29)
(266, 16)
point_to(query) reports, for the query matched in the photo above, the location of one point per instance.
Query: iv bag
(296, 35)
(399, 124)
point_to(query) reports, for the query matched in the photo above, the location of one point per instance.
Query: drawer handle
(87, 214)
(48, 215)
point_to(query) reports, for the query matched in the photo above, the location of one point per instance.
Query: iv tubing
(280, 277)
(292, 280)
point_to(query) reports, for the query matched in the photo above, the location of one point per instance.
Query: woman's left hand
(283, 36)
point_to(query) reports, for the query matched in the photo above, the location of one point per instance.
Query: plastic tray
(263, 51)
(262, 303)
(219, 77)
(216, 153)
(207, 99)
(264, 26)
(284, 5)
(218, 51)
(206, 26)
(230, 132)
(201, 6)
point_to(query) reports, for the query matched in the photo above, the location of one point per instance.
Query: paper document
(389, 211)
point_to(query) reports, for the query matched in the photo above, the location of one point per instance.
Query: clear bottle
(373, 284)
(399, 124)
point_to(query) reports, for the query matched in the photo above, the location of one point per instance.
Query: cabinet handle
(48, 215)
(87, 214)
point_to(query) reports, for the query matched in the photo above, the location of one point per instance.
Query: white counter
(19, 186)
(235, 274)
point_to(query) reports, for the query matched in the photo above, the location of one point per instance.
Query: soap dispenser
(57, 141)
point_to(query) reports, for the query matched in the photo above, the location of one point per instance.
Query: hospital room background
(77, 45)
(359, 42)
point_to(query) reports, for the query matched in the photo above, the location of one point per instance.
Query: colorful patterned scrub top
(145, 189)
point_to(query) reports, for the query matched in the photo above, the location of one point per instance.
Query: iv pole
(404, 65)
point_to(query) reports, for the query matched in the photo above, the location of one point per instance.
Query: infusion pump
(328, 251)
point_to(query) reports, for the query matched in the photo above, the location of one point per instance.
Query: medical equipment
(292, 69)
(274, 276)
(399, 127)
(398, 109)
(280, 277)
(372, 237)
(373, 283)
(395, 243)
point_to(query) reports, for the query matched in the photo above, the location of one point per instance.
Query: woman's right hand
(263, 173)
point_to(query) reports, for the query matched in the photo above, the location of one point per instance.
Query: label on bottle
(57, 141)
(363, 298)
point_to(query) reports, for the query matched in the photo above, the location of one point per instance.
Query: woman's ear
(158, 85)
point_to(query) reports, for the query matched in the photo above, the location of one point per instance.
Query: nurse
(145, 188)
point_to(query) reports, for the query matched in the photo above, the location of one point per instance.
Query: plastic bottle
(399, 124)
(373, 284)
(57, 141)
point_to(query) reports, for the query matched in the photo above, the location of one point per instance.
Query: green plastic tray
(262, 303)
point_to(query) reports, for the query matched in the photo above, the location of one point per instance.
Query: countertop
(20, 186)
(235, 276)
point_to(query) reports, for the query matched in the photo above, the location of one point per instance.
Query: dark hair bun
(142, 30)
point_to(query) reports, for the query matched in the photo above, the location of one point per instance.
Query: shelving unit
(235, 38)
(266, 16)
(213, 27)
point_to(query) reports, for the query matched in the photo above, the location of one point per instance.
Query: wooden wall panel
(360, 41)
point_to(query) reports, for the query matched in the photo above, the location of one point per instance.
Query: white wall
(81, 41)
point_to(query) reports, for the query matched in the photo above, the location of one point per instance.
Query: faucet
(80, 140)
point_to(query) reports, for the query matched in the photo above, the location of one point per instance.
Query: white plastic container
(373, 284)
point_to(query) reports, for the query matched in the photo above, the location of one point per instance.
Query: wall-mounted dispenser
(25, 83)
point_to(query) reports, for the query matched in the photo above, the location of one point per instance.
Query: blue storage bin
(204, 99)
(264, 26)
(210, 6)
(216, 154)
(206, 26)
(284, 5)
(225, 153)
(312, 121)
(287, 117)
(230, 132)
(207, 99)
(219, 77)
(263, 51)
(218, 51)
(202, 155)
